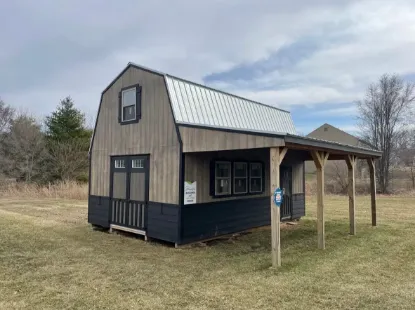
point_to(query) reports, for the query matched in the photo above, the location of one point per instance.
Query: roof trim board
(300, 141)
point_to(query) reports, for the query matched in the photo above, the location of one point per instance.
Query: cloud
(288, 53)
(350, 110)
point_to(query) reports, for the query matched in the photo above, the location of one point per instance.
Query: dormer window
(129, 105)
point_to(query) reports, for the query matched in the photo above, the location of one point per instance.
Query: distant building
(330, 133)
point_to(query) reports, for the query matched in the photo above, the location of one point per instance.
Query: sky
(313, 58)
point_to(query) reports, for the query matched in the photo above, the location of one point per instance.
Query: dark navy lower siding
(298, 206)
(207, 220)
(98, 211)
(163, 221)
(198, 221)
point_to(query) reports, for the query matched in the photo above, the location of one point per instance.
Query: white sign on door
(189, 192)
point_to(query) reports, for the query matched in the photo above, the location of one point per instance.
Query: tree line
(55, 149)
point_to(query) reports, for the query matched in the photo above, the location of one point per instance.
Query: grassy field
(50, 258)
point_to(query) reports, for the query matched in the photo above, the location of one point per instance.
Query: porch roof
(337, 150)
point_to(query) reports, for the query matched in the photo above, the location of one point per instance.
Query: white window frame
(229, 178)
(124, 105)
(237, 178)
(251, 177)
(140, 165)
(119, 163)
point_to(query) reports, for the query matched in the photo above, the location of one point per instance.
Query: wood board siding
(295, 159)
(204, 140)
(197, 168)
(298, 179)
(155, 134)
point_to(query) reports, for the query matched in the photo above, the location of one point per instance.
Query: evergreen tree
(68, 143)
(66, 123)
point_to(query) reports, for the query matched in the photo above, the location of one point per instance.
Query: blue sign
(278, 197)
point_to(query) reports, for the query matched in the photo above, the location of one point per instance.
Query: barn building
(181, 162)
(330, 133)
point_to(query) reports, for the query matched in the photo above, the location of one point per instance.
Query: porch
(320, 152)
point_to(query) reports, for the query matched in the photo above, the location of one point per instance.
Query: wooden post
(351, 165)
(276, 157)
(320, 159)
(371, 163)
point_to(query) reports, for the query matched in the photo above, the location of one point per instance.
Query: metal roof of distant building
(198, 104)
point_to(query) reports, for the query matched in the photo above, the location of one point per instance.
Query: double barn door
(129, 188)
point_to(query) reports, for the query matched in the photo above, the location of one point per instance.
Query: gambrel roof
(195, 104)
(199, 105)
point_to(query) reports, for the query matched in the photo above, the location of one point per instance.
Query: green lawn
(50, 258)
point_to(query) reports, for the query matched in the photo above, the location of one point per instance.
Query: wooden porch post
(276, 157)
(351, 165)
(371, 163)
(320, 159)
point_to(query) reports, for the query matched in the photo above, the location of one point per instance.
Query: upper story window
(130, 105)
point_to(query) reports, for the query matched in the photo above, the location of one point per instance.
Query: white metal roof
(200, 105)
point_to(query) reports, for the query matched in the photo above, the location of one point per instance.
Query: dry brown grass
(401, 187)
(50, 258)
(59, 190)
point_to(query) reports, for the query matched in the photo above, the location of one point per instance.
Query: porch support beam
(276, 156)
(351, 165)
(371, 163)
(320, 159)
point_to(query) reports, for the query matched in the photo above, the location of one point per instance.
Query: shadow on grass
(298, 244)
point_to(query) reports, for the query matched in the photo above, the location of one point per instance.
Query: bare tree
(383, 112)
(406, 153)
(68, 159)
(337, 173)
(6, 115)
(23, 149)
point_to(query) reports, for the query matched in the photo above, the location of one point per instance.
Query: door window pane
(137, 163)
(119, 163)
